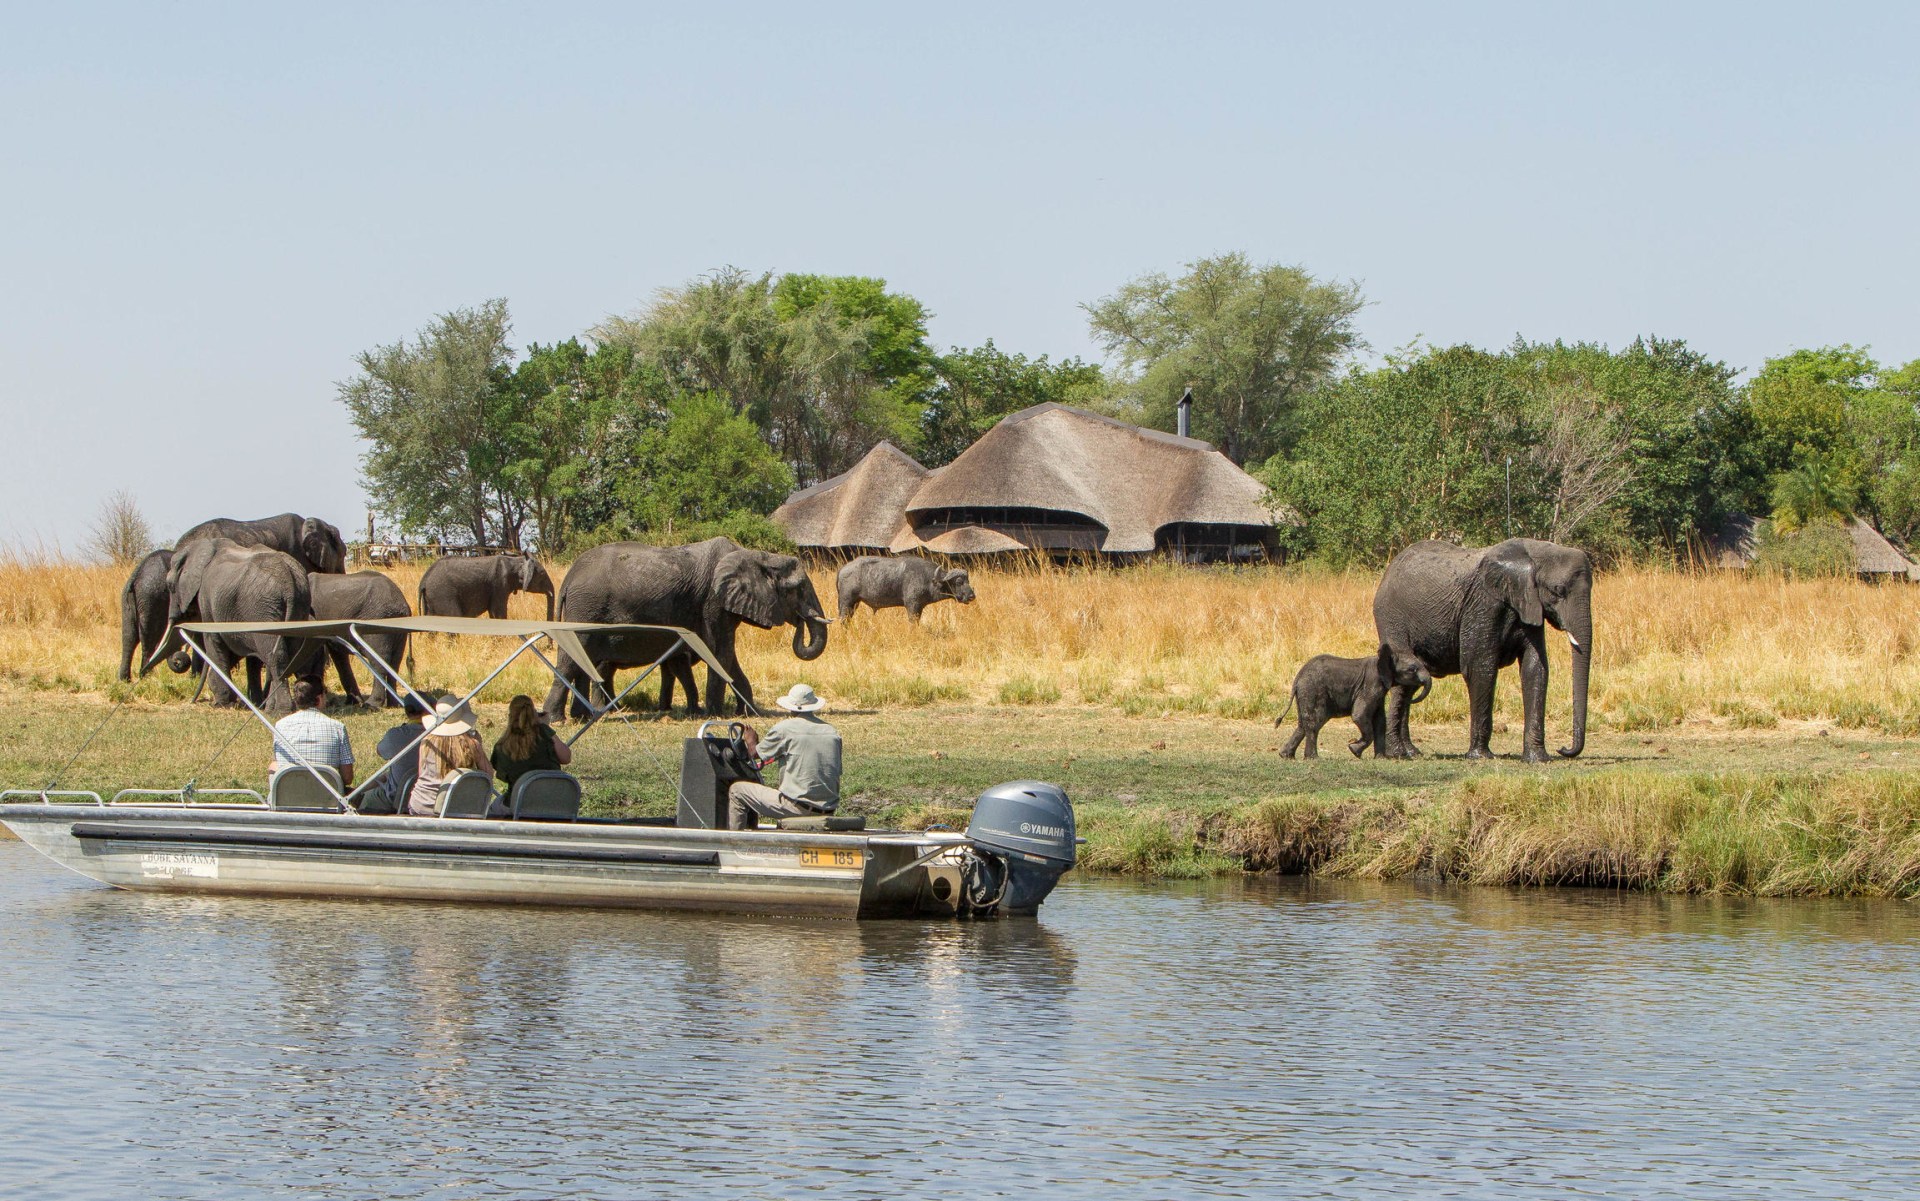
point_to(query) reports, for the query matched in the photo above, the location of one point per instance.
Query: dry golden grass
(1671, 647)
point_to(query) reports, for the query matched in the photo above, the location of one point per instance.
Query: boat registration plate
(842, 857)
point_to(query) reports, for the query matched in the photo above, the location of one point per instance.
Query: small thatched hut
(1049, 478)
(1875, 559)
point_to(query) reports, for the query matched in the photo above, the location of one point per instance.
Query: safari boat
(306, 837)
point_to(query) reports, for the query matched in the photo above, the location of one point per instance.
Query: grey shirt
(808, 751)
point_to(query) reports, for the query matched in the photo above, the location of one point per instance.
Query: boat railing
(45, 795)
(190, 796)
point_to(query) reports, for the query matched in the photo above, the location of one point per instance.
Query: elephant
(216, 579)
(315, 543)
(366, 594)
(1328, 685)
(1472, 612)
(471, 587)
(908, 582)
(143, 612)
(709, 588)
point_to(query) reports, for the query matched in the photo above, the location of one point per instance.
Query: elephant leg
(1310, 724)
(342, 670)
(1480, 678)
(554, 708)
(1399, 739)
(220, 695)
(913, 612)
(257, 684)
(1533, 695)
(1293, 742)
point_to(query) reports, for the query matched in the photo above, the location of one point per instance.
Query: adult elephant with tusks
(709, 587)
(219, 580)
(471, 587)
(143, 613)
(315, 543)
(1472, 612)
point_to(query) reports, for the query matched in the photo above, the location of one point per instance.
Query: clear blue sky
(206, 212)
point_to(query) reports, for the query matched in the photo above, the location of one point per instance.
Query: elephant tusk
(1575, 641)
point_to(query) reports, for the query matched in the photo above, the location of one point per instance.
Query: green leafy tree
(1664, 405)
(570, 419)
(975, 388)
(824, 366)
(704, 465)
(430, 411)
(1818, 488)
(1434, 445)
(1252, 340)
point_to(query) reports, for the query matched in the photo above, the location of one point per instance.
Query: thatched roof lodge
(1049, 478)
(1875, 559)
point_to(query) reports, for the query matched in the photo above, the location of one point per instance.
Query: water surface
(1232, 1038)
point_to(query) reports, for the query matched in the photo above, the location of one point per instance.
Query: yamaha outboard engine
(1026, 831)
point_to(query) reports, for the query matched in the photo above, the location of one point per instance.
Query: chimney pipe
(1185, 409)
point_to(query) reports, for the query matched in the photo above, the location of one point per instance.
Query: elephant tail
(1287, 710)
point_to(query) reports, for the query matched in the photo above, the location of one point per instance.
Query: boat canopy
(564, 634)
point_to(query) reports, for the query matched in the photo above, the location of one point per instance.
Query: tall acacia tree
(429, 410)
(1251, 339)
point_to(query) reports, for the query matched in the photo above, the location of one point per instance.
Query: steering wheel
(737, 739)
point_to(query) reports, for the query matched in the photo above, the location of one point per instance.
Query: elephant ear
(1514, 579)
(744, 589)
(529, 573)
(185, 576)
(321, 545)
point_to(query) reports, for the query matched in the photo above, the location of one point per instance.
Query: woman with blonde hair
(451, 745)
(528, 745)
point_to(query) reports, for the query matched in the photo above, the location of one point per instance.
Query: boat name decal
(165, 865)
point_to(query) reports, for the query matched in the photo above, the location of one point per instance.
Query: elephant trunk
(809, 638)
(1420, 691)
(1580, 631)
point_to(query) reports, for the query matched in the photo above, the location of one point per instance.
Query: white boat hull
(249, 850)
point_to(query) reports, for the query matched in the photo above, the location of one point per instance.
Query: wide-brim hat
(451, 717)
(801, 699)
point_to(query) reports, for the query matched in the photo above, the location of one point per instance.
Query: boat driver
(808, 752)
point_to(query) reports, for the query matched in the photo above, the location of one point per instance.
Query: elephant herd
(1444, 610)
(291, 568)
(1440, 610)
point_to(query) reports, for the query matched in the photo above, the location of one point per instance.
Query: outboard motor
(1025, 830)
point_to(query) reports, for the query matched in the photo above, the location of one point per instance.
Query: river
(1227, 1038)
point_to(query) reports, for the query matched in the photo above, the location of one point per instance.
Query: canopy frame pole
(367, 647)
(264, 719)
(355, 651)
(614, 705)
(426, 729)
(555, 669)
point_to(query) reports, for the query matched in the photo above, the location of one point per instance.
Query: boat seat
(294, 787)
(822, 821)
(544, 796)
(465, 794)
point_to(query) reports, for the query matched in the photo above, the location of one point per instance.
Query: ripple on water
(1221, 1039)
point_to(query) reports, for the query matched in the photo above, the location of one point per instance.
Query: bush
(1817, 550)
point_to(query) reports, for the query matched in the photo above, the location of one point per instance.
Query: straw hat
(451, 717)
(801, 699)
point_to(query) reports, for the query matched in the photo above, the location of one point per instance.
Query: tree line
(701, 412)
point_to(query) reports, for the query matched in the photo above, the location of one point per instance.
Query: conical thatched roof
(1873, 554)
(864, 507)
(1048, 477)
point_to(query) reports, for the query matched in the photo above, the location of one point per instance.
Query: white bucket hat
(449, 717)
(801, 699)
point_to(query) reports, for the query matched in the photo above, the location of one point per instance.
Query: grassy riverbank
(1748, 734)
(1802, 810)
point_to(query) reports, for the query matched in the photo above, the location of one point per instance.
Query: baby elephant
(908, 582)
(1328, 686)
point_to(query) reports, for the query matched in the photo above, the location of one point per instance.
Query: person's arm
(345, 766)
(562, 753)
(346, 774)
(770, 749)
(486, 764)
